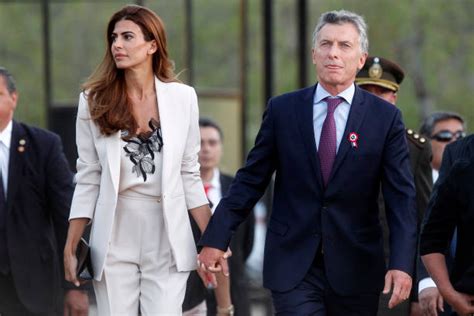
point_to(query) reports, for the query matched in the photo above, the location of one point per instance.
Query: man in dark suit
(35, 194)
(441, 128)
(332, 145)
(383, 77)
(452, 208)
(462, 149)
(216, 184)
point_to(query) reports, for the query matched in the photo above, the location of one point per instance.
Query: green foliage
(20, 53)
(432, 40)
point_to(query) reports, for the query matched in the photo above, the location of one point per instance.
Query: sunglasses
(447, 136)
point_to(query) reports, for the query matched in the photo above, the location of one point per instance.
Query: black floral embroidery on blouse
(142, 147)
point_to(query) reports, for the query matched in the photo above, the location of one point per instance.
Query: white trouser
(199, 310)
(140, 272)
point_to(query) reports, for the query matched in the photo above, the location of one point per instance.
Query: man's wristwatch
(226, 310)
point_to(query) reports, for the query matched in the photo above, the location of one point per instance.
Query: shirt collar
(435, 174)
(6, 135)
(215, 182)
(321, 94)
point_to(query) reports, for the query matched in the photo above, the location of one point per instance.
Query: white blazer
(98, 174)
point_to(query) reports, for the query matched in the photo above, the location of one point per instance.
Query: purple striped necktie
(328, 140)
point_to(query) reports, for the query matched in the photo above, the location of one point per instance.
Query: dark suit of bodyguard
(383, 77)
(324, 249)
(36, 211)
(34, 208)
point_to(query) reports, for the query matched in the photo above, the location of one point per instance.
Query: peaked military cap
(380, 72)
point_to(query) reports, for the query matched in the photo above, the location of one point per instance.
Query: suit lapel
(166, 120)
(304, 114)
(113, 158)
(113, 141)
(356, 116)
(225, 184)
(16, 162)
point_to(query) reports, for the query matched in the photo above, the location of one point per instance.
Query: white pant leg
(199, 310)
(119, 290)
(162, 287)
(162, 293)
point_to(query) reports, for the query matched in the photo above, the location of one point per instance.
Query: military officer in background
(383, 77)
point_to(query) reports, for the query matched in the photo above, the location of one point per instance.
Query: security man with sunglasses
(442, 128)
(383, 77)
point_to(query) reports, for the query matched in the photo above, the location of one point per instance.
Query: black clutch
(84, 264)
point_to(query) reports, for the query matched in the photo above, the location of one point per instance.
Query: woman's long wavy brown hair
(109, 104)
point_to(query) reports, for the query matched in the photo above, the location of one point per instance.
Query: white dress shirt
(341, 113)
(5, 143)
(435, 175)
(214, 194)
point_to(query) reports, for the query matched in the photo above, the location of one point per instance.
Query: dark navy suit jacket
(343, 216)
(453, 208)
(461, 149)
(40, 188)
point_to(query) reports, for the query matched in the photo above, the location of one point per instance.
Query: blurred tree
(433, 40)
(20, 52)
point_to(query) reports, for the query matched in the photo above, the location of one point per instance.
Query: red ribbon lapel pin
(353, 138)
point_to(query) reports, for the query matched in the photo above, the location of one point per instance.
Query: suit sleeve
(88, 165)
(247, 188)
(59, 191)
(441, 222)
(399, 194)
(423, 182)
(446, 165)
(190, 174)
(249, 228)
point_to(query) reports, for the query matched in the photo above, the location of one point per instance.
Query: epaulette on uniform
(416, 138)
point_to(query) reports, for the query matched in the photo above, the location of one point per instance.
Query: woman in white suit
(137, 173)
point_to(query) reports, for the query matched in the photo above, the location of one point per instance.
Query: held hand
(227, 254)
(70, 267)
(208, 278)
(400, 283)
(431, 301)
(415, 309)
(214, 260)
(76, 303)
(461, 303)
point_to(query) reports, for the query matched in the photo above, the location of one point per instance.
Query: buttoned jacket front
(98, 174)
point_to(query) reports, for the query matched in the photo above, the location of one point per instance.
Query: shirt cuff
(425, 283)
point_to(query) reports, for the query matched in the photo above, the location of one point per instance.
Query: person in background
(383, 78)
(331, 145)
(138, 175)
(443, 128)
(200, 300)
(452, 212)
(216, 184)
(36, 187)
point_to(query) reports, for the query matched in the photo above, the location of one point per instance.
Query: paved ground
(258, 309)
